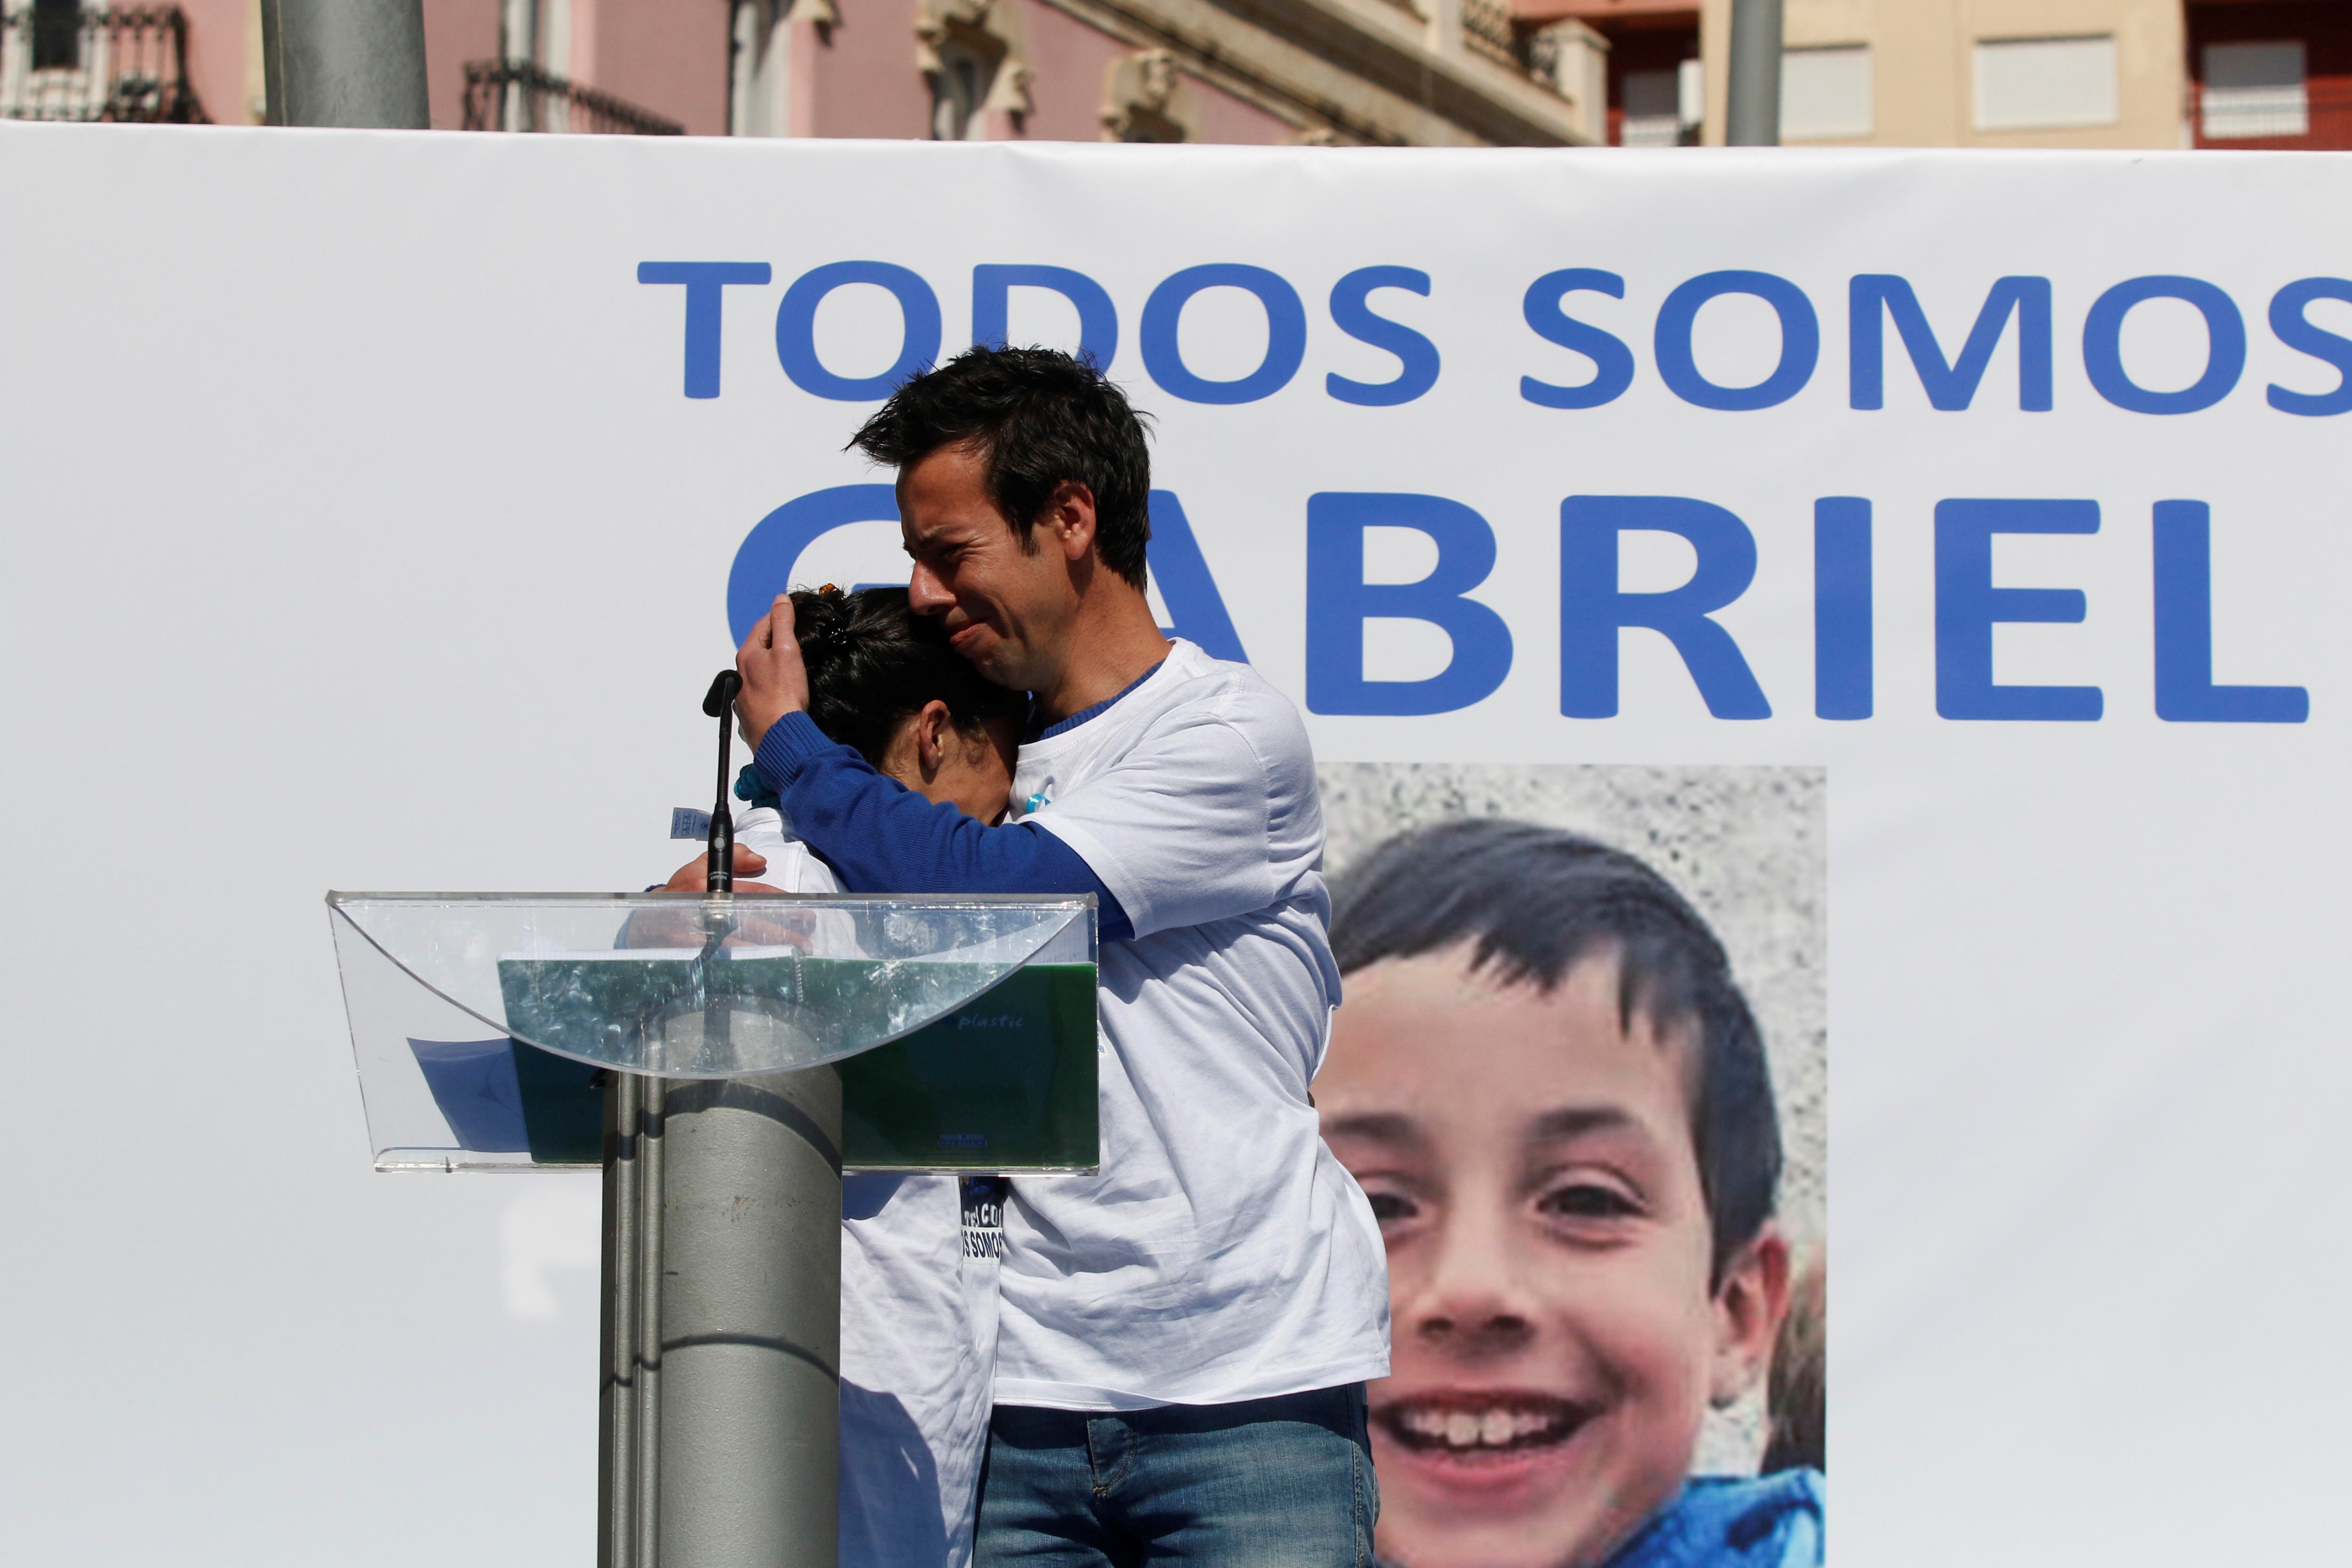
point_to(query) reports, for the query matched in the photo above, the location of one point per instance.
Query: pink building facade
(1420, 72)
(1159, 71)
(877, 71)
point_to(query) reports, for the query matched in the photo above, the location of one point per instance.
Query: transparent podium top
(481, 1021)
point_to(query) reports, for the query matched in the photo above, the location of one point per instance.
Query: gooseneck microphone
(719, 703)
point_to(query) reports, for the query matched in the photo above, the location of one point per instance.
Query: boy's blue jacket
(1723, 1521)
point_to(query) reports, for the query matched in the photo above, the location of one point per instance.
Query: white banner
(379, 504)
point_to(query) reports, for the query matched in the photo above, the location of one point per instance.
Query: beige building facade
(1902, 73)
(1983, 73)
(1986, 73)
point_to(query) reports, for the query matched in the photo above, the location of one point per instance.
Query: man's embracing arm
(879, 836)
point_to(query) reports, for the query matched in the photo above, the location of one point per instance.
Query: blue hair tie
(753, 791)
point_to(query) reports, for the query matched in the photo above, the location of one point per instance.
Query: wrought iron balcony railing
(1487, 30)
(62, 62)
(2309, 115)
(515, 95)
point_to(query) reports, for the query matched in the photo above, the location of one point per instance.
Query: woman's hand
(694, 877)
(684, 928)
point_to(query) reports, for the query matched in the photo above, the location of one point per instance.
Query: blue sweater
(879, 836)
(1726, 1521)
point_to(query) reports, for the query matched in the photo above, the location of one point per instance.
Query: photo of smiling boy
(1556, 1097)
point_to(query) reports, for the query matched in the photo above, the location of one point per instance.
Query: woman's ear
(934, 732)
(1750, 1302)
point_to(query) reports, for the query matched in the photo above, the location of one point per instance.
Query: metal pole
(1753, 116)
(652, 1194)
(616, 1410)
(345, 62)
(750, 1323)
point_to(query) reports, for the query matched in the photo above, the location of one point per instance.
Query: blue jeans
(1284, 1482)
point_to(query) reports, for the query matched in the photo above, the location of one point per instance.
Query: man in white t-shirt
(1186, 1334)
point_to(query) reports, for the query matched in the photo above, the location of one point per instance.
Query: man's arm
(1181, 831)
(880, 837)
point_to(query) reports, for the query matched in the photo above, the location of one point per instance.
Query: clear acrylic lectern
(723, 1058)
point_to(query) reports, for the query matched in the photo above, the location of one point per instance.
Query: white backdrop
(359, 535)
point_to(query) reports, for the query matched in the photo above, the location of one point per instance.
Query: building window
(960, 90)
(2254, 90)
(1653, 110)
(1662, 107)
(56, 35)
(759, 90)
(1648, 68)
(2038, 84)
(1825, 92)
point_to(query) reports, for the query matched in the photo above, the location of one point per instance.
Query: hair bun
(819, 616)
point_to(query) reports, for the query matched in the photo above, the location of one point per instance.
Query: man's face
(1004, 608)
(1556, 1340)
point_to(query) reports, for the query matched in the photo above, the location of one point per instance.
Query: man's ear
(1071, 515)
(1750, 1302)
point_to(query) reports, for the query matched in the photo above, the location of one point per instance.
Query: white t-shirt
(917, 1326)
(1220, 1253)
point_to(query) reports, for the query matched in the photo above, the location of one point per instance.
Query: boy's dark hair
(1535, 901)
(1796, 1391)
(873, 663)
(1039, 417)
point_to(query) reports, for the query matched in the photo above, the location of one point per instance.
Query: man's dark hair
(873, 663)
(1535, 901)
(1039, 417)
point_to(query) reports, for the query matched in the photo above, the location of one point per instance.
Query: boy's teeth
(1493, 1428)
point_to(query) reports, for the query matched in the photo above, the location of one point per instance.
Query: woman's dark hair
(1039, 417)
(1535, 901)
(873, 663)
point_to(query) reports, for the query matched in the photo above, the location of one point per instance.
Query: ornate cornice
(1362, 69)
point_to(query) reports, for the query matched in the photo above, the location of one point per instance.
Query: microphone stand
(719, 703)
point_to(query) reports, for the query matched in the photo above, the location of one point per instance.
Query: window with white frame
(759, 94)
(52, 60)
(56, 35)
(1652, 115)
(1660, 108)
(1825, 92)
(2046, 84)
(960, 90)
(2253, 89)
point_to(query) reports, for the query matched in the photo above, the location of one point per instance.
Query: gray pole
(616, 1406)
(749, 1433)
(645, 1522)
(1753, 116)
(345, 62)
